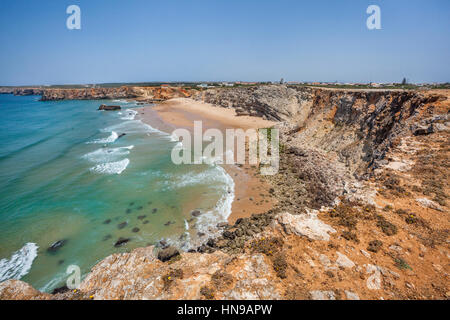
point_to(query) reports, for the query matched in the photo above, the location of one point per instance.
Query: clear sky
(215, 40)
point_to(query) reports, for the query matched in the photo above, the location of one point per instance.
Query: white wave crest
(113, 137)
(107, 154)
(130, 114)
(19, 264)
(111, 167)
(207, 222)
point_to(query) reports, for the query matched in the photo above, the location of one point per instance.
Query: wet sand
(251, 191)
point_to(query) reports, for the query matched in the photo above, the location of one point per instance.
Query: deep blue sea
(66, 176)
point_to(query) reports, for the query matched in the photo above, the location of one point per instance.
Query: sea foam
(113, 137)
(107, 154)
(111, 167)
(19, 264)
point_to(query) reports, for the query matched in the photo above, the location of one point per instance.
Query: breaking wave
(107, 154)
(111, 167)
(113, 137)
(19, 264)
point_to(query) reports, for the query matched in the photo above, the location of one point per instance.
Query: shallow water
(65, 175)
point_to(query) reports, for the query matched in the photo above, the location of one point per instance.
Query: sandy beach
(251, 191)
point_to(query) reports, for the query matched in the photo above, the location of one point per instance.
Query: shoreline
(251, 194)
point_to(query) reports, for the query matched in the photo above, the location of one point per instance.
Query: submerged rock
(122, 225)
(121, 241)
(57, 245)
(196, 213)
(135, 229)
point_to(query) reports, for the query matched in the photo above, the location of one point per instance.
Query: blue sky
(214, 40)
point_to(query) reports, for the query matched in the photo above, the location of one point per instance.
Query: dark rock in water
(168, 223)
(107, 237)
(62, 289)
(196, 213)
(140, 207)
(60, 262)
(131, 203)
(109, 108)
(107, 221)
(145, 222)
(168, 253)
(128, 211)
(238, 221)
(121, 135)
(201, 249)
(122, 225)
(191, 250)
(222, 225)
(154, 210)
(163, 243)
(142, 217)
(135, 229)
(200, 234)
(56, 245)
(121, 241)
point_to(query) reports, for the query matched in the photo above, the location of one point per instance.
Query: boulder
(195, 213)
(121, 241)
(56, 245)
(109, 108)
(168, 253)
(307, 225)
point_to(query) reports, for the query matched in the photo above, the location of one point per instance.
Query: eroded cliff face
(359, 126)
(149, 94)
(333, 235)
(271, 102)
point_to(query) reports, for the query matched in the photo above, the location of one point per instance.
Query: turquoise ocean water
(65, 175)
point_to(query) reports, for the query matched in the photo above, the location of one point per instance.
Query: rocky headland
(144, 94)
(362, 209)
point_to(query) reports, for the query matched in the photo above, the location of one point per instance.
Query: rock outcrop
(150, 94)
(358, 125)
(109, 108)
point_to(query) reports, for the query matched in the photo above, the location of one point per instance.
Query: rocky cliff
(359, 125)
(141, 93)
(148, 94)
(21, 91)
(362, 208)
